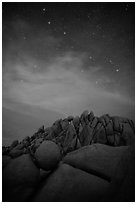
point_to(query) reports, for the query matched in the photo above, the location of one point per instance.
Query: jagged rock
(57, 128)
(14, 144)
(64, 124)
(19, 146)
(132, 125)
(26, 143)
(94, 164)
(127, 134)
(78, 145)
(68, 184)
(106, 118)
(5, 160)
(19, 178)
(70, 134)
(98, 159)
(84, 118)
(47, 155)
(38, 142)
(90, 116)
(51, 135)
(102, 121)
(100, 136)
(76, 123)
(41, 129)
(94, 122)
(117, 121)
(73, 144)
(109, 128)
(70, 118)
(16, 152)
(86, 135)
(27, 138)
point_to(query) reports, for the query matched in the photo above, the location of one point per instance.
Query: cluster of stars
(110, 61)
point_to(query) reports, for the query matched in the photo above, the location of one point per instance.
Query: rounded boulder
(47, 155)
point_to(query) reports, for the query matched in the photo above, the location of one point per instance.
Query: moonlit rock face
(47, 155)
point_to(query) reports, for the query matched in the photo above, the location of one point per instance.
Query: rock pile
(88, 143)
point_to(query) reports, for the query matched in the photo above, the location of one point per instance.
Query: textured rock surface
(97, 161)
(100, 160)
(70, 184)
(47, 155)
(20, 178)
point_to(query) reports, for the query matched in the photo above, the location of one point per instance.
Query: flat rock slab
(68, 184)
(97, 159)
(19, 179)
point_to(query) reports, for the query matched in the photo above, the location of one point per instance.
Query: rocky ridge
(88, 146)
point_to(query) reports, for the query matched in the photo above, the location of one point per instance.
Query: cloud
(61, 86)
(35, 73)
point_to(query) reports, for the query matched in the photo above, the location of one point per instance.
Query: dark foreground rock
(84, 158)
(20, 178)
(97, 159)
(70, 184)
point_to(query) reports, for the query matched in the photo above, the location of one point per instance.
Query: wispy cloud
(57, 81)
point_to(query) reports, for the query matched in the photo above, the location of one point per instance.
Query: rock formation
(76, 159)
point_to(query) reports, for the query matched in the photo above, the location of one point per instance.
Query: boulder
(100, 136)
(19, 179)
(70, 118)
(76, 122)
(122, 186)
(98, 159)
(90, 116)
(86, 135)
(20, 146)
(70, 134)
(94, 123)
(64, 124)
(41, 129)
(57, 128)
(15, 152)
(68, 184)
(47, 155)
(106, 117)
(109, 128)
(111, 140)
(84, 118)
(14, 144)
(128, 134)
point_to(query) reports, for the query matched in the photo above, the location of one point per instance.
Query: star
(64, 33)
(49, 22)
(117, 70)
(44, 9)
(90, 57)
(110, 61)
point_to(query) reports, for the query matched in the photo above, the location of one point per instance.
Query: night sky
(69, 57)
